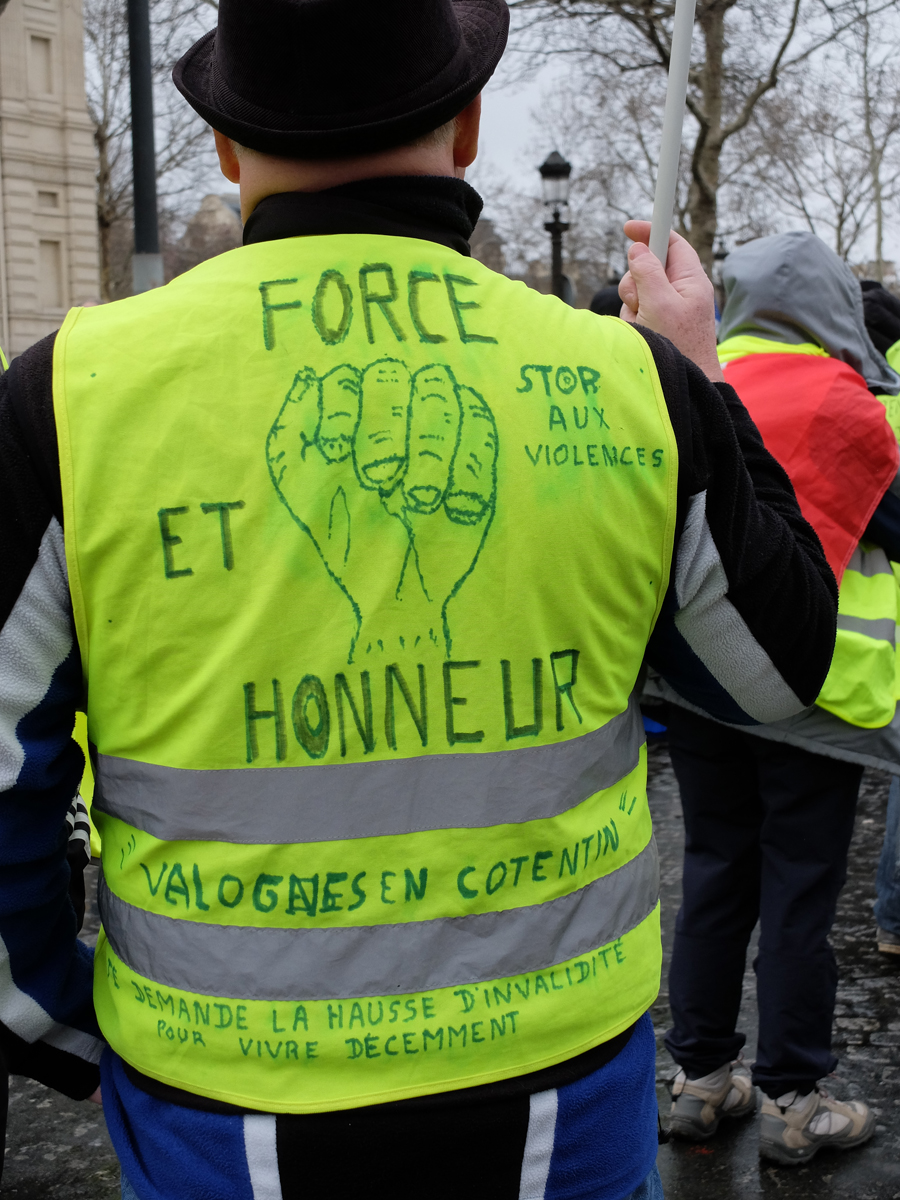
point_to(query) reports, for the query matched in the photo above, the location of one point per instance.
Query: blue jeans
(650, 1189)
(887, 881)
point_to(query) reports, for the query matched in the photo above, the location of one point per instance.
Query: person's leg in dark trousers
(767, 830)
(809, 804)
(716, 771)
(887, 882)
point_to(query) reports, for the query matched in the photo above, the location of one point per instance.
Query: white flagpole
(670, 150)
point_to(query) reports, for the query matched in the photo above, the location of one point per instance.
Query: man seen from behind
(356, 549)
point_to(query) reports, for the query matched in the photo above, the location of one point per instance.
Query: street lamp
(555, 172)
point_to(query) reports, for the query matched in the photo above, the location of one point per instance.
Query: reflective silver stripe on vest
(379, 960)
(870, 562)
(882, 628)
(283, 805)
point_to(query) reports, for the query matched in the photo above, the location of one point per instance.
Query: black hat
(335, 78)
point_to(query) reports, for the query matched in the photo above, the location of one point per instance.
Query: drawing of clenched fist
(393, 477)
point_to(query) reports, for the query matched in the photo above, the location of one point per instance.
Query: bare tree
(813, 167)
(184, 155)
(879, 88)
(742, 48)
(106, 53)
(822, 151)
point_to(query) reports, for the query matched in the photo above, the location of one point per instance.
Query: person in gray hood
(769, 808)
(791, 288)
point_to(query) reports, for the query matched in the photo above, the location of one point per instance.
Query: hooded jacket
(793, 340)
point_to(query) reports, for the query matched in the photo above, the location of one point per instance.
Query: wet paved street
(57, 1148)
(866, 1036)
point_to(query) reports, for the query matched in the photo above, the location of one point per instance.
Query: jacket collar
(434, 208)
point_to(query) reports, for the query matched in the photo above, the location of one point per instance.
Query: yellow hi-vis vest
(863, 683)
(365, 546)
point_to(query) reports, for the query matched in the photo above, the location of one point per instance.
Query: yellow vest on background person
(86, 788)
(365, 545)
(863, 684)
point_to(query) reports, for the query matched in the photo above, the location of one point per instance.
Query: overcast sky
(513, 145)
(508, 128)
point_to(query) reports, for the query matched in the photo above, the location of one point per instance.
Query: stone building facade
(48, 212)
(214, 228)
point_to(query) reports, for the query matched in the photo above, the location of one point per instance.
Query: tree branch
(764, 85)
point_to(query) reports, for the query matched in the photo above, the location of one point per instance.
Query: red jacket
(821, 422)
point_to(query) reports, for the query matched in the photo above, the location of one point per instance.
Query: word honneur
(312, 709)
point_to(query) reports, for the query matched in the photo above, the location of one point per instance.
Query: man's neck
(262, 175)
(285, 175)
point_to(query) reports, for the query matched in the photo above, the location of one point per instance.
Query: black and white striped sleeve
(47, 1023)
(748, 624)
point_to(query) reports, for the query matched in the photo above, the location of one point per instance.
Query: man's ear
(228, 160)
(465, 142)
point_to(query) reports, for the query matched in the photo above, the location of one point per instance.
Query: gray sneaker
(793, 1128)
(888, 943)
(698, 1105)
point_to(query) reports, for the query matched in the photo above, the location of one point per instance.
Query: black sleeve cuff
(55, 1068)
